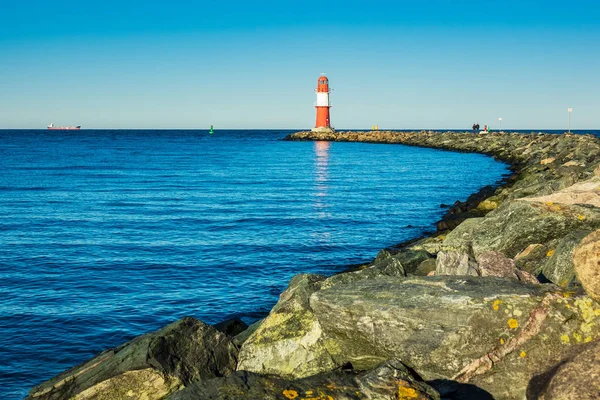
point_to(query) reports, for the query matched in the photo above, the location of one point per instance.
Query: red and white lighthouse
(323, 120)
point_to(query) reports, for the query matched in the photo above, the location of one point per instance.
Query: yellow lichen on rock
(145, 384)
(496, 304)
(487, 205)
(407, 393)
(290, 394)
(513, 323)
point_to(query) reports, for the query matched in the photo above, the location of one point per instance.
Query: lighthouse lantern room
(323, 121)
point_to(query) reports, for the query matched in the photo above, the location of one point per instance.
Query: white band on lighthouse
(322, 99)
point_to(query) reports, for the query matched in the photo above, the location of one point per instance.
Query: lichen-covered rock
(586, 260)
(444, 327)
(411, 259)
(587, 192)
(390, 380)
(143, 384)
(515, 225)
(289, 342)
(455, 262)
(241, 337)
(576, 377)
(494, 263)
(559, 267)
(489, 204)
(426, 267)
(183, 352)
(532, 258)
(486, 263)
(404, 260)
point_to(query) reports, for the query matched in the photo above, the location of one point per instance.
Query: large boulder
(532, 258)
(575, 377)
(390, 380)
(455, 262)
(587, 192)
(150, 366)
(515, 225)
(586, 259)
(289, 341)
(492, 332)
(486, 263)
(411, 259)
(560, 268)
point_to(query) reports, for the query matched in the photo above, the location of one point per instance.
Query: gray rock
(455, 262)
(289, 341)
(181, 353)
(241, 337)
(559, 268)
(391, 380)
(586, 259)
(494, 263)
(411, 259)
(444, 327)
(575, 377)
(515, 225)
(532, 258)
(426, 267)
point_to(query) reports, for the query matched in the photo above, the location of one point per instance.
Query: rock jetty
(500, 303)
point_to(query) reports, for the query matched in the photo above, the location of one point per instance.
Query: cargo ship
(63, 128)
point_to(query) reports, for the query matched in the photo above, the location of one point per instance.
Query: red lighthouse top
(323, 84)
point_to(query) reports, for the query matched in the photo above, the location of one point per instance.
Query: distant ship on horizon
(64, 128)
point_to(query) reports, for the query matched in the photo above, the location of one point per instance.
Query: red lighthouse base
(322, 124)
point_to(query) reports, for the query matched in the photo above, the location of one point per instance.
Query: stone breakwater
(500, 303)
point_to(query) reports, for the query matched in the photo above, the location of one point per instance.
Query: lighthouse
(323, 120)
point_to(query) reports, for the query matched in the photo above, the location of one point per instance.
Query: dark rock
(452, 390)
(411, 259)
(242, 336)
(451, 221)
(231, 327)
(390, 380)
(426, 267)
(181, 353)
(573, 378)
(532, 258)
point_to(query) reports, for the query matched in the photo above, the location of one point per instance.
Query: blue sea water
(105, 235)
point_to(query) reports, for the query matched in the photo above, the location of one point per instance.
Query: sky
(254, 64)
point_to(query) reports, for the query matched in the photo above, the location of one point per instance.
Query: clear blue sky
(244, 64)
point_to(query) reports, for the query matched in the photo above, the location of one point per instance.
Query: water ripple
(105, 235)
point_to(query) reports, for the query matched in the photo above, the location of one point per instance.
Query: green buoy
(211, 130)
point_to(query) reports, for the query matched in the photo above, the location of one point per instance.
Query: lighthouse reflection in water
(320, 193)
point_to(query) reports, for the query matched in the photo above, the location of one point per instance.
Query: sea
(109, 234)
